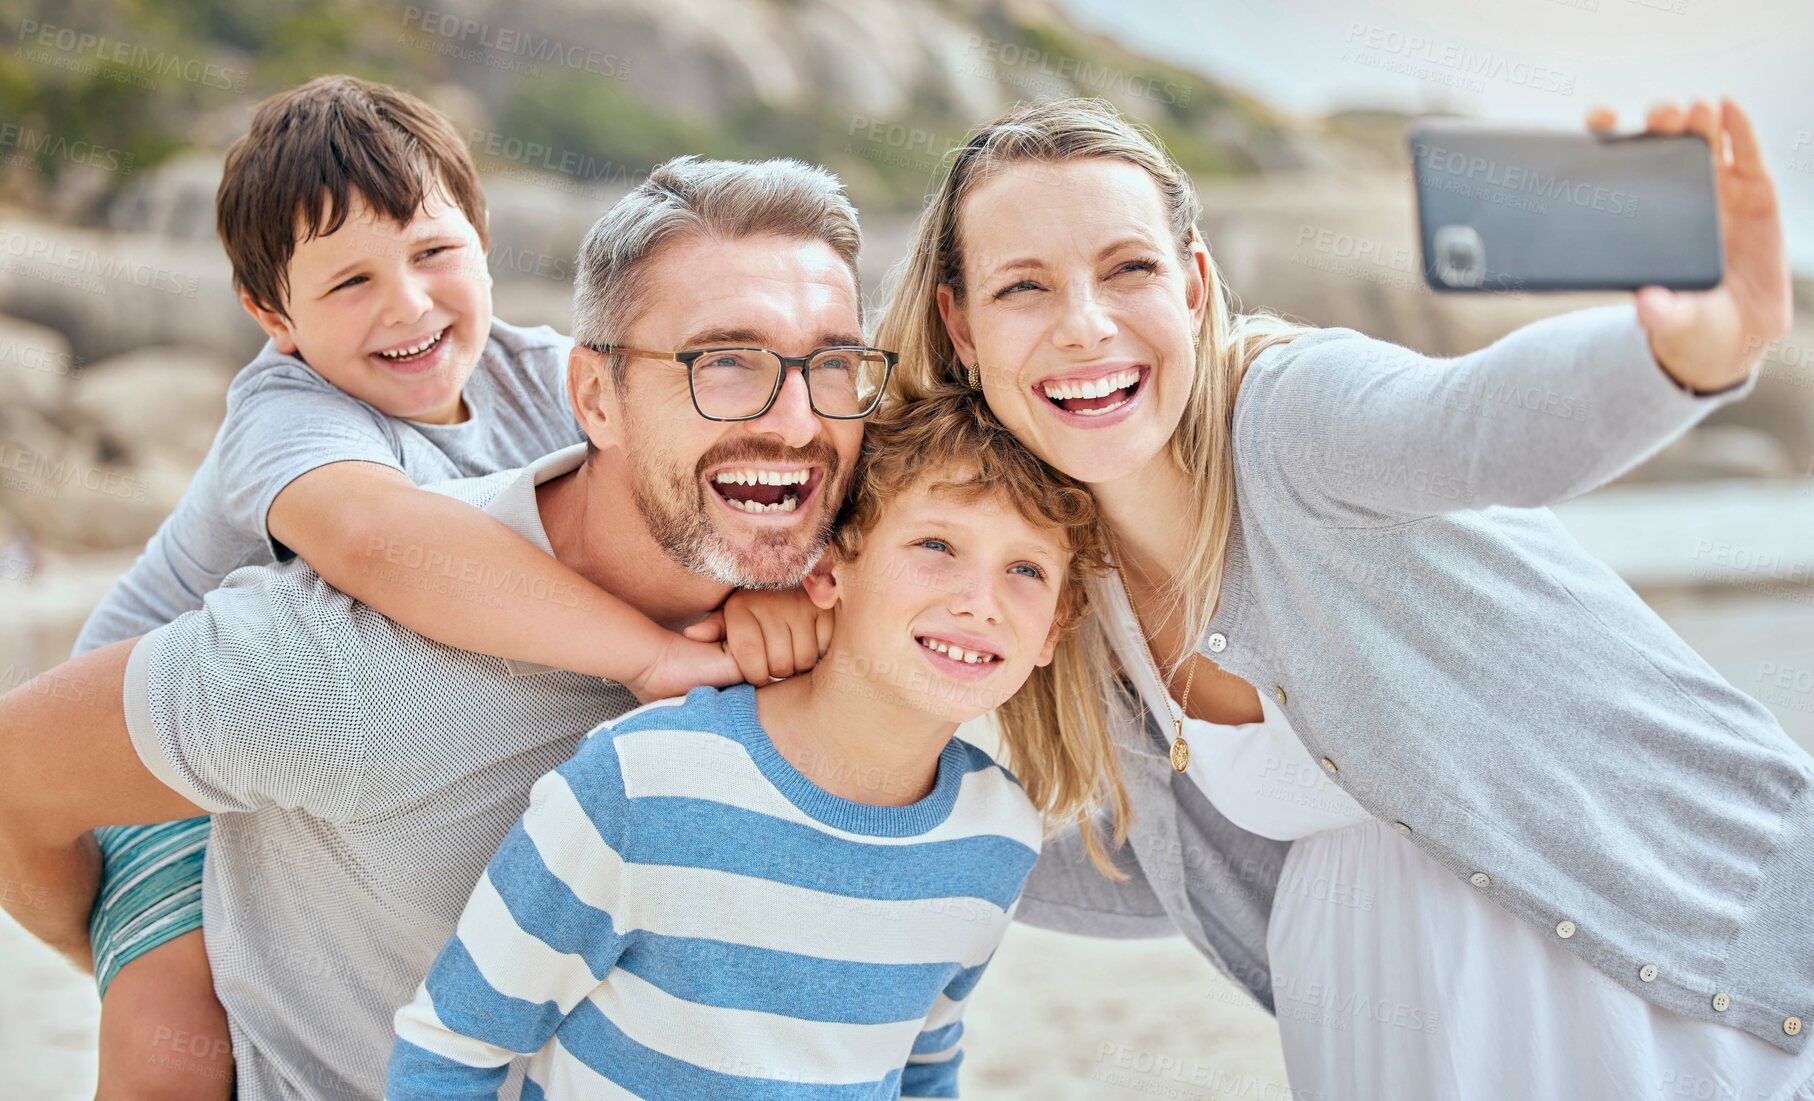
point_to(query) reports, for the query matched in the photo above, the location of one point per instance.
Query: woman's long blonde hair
(1048, 133)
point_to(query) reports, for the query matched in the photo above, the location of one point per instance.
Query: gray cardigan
(1464, 670)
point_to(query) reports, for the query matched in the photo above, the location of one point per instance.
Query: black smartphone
(1528, 210)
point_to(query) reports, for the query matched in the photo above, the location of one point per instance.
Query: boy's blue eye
(431, 253)
(351, 282)
(934, 543)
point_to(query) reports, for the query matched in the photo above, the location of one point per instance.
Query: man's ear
(594, 396)
(821, 582)
(957, 325)
(275, 325)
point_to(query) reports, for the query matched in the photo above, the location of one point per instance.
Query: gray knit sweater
(1464, 670)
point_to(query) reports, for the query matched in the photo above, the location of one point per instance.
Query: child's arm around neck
(334, 516)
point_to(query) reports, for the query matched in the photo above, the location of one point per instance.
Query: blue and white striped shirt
(681, 913)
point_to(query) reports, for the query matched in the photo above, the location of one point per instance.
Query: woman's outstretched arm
(1364, 432)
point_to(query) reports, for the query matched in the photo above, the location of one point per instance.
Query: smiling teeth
(785, 504)
(404, 353)
(1097, 388)
(763, 477)
(968, 657)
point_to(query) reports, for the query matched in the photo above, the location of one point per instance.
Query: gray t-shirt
(360, 778)
(284, 420)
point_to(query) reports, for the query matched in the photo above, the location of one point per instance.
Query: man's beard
(673, 506)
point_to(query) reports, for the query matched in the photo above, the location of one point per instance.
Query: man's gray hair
(689, 195)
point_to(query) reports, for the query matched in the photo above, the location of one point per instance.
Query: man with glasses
(360, 775)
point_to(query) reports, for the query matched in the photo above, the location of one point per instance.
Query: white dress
(1395, 980)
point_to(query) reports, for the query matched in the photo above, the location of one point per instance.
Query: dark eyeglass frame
(889, 359)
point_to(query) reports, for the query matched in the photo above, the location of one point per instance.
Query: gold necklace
(1180, 748)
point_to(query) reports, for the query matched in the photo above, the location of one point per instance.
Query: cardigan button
(1565, 928)
(1721, 1002)
(1480, 879)
(1792, 1026)
(1218, 642)
(1329, 766)
(1279, 691)
(1647, 973)
(1402, 828)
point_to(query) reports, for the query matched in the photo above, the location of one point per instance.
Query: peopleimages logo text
(1530, 181)
(1460, 59)
(130, 55)
(516, 42)
(23, 141)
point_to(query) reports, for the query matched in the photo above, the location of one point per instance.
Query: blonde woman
(1432, 783)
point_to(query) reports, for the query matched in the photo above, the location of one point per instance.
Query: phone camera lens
(1459, 256)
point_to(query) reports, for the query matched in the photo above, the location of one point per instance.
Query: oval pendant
(1180, 755)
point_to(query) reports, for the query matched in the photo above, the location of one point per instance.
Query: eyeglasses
(740, 384)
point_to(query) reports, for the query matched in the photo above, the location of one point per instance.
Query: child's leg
(163, 1033)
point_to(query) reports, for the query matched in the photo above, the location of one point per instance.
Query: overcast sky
(1520, 61)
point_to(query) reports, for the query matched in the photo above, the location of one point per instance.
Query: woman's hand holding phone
(1709, 340)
